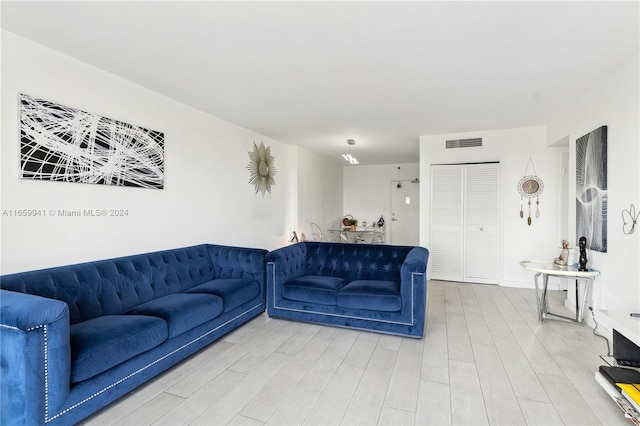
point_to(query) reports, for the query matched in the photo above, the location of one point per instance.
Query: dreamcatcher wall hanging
(530, 186)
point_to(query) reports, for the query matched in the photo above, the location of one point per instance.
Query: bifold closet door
(481, 223)
(446, 222)
(464, 222)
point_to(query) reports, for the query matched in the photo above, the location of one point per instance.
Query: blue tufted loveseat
(365, 286)
(75, 338)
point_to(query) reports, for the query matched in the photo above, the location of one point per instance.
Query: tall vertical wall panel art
(591, 189)
(61, 143)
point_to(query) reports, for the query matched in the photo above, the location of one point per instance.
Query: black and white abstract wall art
(61, 143)
(591, 189)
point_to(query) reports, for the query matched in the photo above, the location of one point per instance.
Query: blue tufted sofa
(365, 286)
(75, 338)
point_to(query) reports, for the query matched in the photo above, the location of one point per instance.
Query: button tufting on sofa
(116, 324)
(370, 287)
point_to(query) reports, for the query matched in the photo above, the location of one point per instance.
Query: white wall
(512, 148)
(207, 197)
(614, 103)
(367, 190)
(319, 191)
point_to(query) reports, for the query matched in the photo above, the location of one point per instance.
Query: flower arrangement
(349, 221)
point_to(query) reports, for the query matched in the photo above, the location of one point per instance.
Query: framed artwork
(591, 189)
(61, 143)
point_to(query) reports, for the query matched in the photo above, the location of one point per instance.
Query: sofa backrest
(237, 262)
(355, 261)
(112, 286)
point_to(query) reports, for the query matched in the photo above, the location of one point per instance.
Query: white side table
(548, 269)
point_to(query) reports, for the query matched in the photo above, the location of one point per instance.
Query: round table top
(550, 268)
(358, 229)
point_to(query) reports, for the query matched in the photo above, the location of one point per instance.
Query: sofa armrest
(34, 357)
(26, 311)
(416, 261)
(413, 285)
(283, 264)
(290, 261)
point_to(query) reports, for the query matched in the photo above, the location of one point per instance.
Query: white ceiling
(314, 74)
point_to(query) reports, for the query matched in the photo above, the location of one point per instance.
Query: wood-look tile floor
(484, 359)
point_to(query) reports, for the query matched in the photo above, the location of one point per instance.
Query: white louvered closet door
(464, 222)
(446, 223)
(481, 223)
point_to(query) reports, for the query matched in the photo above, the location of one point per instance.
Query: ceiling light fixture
(350, 158)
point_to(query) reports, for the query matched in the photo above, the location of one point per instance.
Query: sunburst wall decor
(261, 168)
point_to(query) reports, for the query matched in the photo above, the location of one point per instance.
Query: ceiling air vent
(464, 143)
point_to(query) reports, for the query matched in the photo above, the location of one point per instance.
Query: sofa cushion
(182, 312)
(313, 289)
(234, 291)
(374, 295)
(104, 342)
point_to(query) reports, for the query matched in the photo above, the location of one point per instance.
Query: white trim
(10, 327)
(46, 372)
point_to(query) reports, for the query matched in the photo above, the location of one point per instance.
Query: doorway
(405, 217)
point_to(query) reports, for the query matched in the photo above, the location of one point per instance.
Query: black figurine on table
(582, 243)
